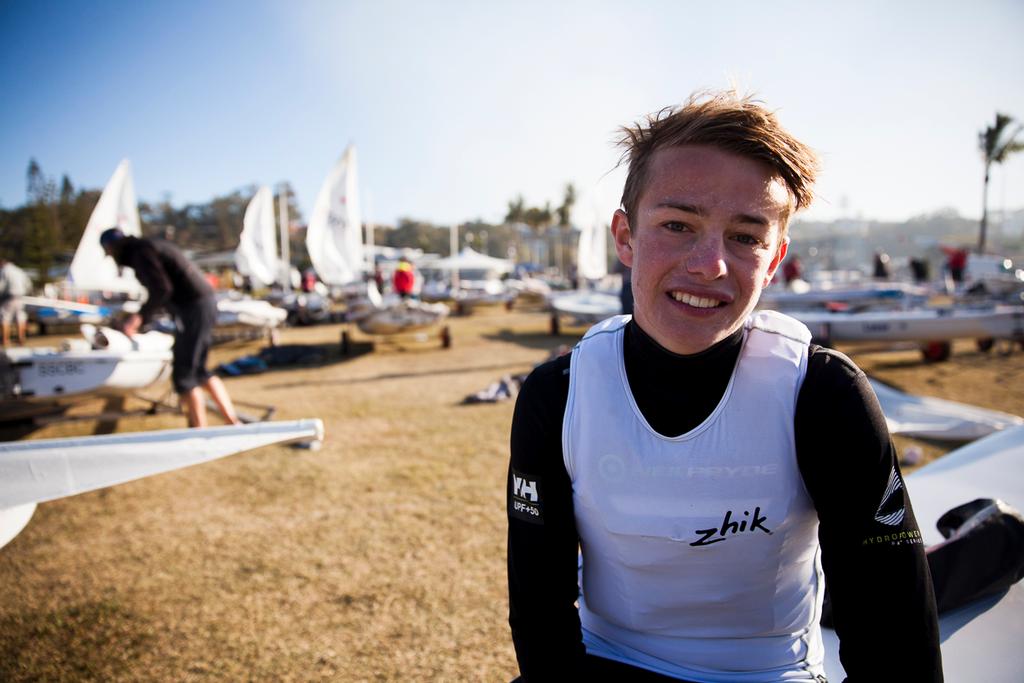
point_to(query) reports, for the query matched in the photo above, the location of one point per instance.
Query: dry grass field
(379, 557)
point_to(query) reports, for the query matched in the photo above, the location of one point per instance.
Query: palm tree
(997, 142)
(539, 219)
(564, 217)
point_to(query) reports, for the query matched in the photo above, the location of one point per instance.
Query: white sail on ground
(592, 254)
(37, 471)
(334, 238)
(256, 256)
(92, 269)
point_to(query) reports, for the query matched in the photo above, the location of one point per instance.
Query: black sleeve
(880, 589)
(543, 545)
(150, 272)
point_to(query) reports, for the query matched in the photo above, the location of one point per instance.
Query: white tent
(469, 260)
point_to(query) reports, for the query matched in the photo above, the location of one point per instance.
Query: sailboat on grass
(334, 240)
(589, 305)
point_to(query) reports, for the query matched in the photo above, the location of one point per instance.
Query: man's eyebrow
(755, 219)
(752, 218)
(688, 208)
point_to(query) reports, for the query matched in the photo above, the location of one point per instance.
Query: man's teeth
(695, 301)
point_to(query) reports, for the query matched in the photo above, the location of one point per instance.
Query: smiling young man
(706, 461)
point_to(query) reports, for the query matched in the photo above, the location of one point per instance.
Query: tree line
(42, 234)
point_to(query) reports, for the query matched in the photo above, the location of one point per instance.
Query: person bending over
(175, 284)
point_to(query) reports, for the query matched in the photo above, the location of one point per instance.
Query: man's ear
(779, 255)
(623, 237)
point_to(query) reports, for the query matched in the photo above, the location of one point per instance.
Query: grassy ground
(380, 557)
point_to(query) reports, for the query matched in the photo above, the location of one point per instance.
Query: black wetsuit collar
(674, 392)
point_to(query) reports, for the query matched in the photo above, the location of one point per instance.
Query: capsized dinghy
(37, 471)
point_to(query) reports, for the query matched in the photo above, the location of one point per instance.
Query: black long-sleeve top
(170, 279)
(880, 589)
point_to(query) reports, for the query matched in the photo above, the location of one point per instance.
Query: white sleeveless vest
(700, 552)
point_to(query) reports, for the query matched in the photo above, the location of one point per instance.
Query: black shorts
(192, 339)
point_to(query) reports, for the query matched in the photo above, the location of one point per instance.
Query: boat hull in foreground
(981, 641)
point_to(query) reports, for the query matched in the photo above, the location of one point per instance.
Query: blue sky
(457, 106)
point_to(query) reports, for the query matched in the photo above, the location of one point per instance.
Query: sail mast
(453, 244)
(371, 257)
(286, 256)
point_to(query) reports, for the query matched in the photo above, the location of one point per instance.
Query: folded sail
(256, 256)
(334, 238)
(91, 268)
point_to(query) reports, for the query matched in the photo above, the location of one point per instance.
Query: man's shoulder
(550, 374)
(828, 365)
(546, 388)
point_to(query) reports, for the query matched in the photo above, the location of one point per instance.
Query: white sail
(256, 256)
(592, 255)
(334, 237)
(36, 471)
(91, 268)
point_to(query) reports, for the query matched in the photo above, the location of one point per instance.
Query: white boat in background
(104, 362)
(478, 277)
(925, 417)
(256, 256)
(587, 306)
(91, 269)
(992, 275)
(405, 316)
(249, 312)
(392, 315)
(49, 313)
(922, 324)
(980, 641)
(334, 240)
(869, 294)
(334, 237)
(36, 471)
(529, 290)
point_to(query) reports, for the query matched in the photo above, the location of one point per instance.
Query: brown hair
(725, 120)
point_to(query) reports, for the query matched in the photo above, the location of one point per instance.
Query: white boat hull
(869, 293)
(249, 312)
(31, 377)
(408, 316)
(587, 307)
(1003, 322)
(926, 417)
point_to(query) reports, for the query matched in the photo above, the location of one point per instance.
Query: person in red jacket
(404, 278)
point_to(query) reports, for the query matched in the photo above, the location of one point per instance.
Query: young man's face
(706, 237)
